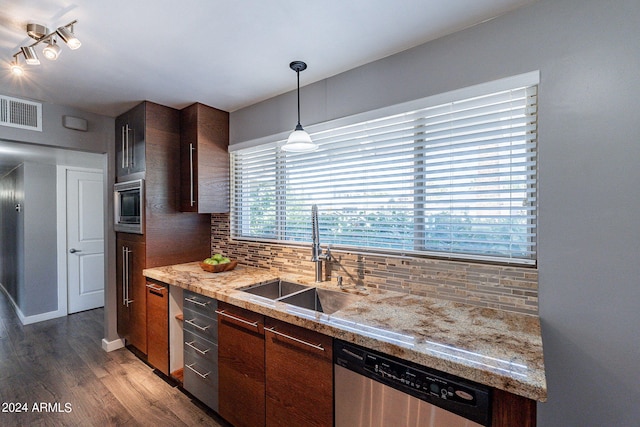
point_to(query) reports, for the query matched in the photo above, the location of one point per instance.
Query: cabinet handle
(127, 132)
(238, 319)
(203, 376)
(130, 149)
(123, 149)
(298, 340)
(155, 288)
(192, 323)
(191, 150)
(126, 276)
(203, 352)
(196, 302)
(124, 272)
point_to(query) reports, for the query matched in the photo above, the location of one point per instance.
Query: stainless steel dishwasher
(375, 390)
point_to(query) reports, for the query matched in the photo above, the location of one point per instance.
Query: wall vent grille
(20, 113)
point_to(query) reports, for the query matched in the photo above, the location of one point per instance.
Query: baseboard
(27, 320)
(112, 345)
(35, 318)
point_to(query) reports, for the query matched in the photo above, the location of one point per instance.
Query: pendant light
(299, 141)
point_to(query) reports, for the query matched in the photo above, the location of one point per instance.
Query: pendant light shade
(299, 141)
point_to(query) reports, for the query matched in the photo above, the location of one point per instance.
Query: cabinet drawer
(203, 326)
(199, 346)
(200, 304)
(201, 379)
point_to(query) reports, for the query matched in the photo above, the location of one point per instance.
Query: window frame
(279, 237)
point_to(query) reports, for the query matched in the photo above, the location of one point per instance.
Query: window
(454, 179)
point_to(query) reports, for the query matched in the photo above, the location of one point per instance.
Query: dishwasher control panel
(418, 380)
(463, 397)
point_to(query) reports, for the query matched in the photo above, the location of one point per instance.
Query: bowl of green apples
(218, 263)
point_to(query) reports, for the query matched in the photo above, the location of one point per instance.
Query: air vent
(19, 113)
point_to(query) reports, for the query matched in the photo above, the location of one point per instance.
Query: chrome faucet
(316, 251)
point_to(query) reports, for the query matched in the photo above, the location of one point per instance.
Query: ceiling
(227, 54)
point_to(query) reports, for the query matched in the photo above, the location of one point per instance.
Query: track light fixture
(52, 51)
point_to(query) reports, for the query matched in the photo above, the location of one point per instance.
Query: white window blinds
(455, 180)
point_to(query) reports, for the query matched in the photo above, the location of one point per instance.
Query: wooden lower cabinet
(158, 326)
(131, 291)
(241, 366)
(299, 376)
(511, 410)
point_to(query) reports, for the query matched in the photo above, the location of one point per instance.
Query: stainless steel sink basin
(274, 289)
(322, 300)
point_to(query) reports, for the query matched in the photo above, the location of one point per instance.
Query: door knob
(73, 251)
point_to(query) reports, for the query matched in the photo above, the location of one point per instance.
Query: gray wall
(588, 55)
(99, 138)
(40, 287)
(28, 250)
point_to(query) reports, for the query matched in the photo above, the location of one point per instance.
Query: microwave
(128, 202)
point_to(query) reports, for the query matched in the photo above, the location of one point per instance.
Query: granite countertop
(492, 347)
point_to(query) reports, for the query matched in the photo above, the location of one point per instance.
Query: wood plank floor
(58, 371)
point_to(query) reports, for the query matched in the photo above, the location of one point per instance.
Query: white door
(85, 240)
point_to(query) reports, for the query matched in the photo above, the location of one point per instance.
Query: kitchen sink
(317, 299)
(322, 300)
(274, 289)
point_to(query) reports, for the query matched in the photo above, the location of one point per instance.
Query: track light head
(52, 50)
(30, 56)
(16, 68)
(69, 38)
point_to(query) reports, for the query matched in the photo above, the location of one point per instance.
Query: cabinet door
(204, 159)
(130, 141)
(158, 326)
(299, 376)
(122, 277)
(122, 166)
(132, 299)
(137, 130)
(241, 366)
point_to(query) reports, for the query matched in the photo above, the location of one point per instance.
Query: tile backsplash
(508, 288)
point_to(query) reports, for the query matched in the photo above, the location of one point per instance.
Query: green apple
(218, 257)
(224, 260)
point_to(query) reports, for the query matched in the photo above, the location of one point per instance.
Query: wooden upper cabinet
(204, 159)
(130, 141)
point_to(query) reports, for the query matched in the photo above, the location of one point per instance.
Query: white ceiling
(225, 53)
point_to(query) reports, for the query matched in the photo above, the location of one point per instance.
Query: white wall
(588, 55)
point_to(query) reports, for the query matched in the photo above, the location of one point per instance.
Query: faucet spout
(316, 251)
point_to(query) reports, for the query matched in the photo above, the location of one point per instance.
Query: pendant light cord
(298, 73)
